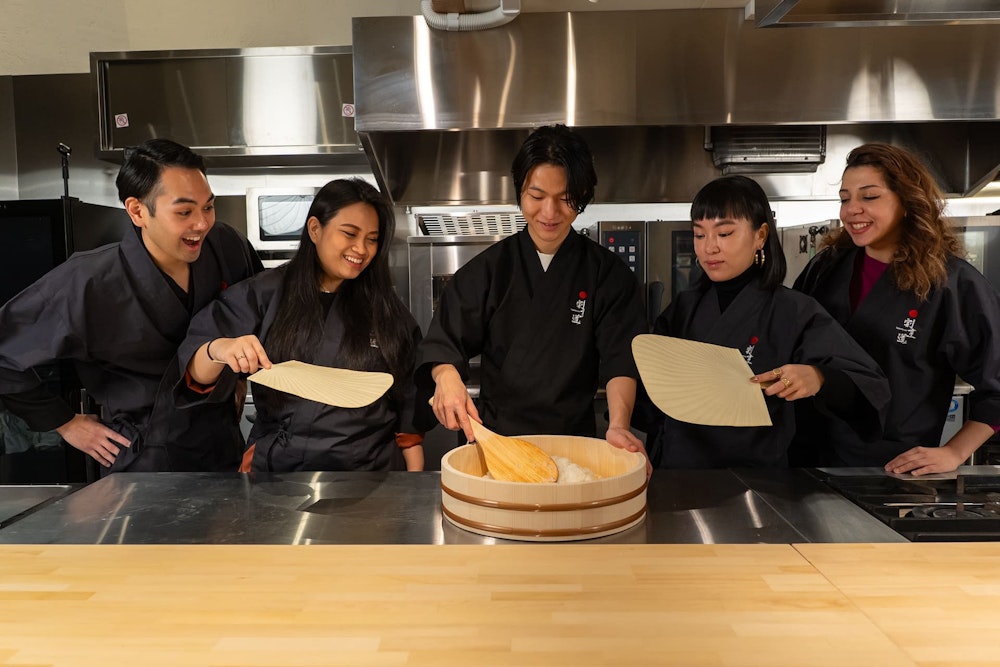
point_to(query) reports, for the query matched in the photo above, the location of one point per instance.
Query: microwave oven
(276, 214)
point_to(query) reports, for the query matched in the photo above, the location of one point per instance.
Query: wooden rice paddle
(513, 459)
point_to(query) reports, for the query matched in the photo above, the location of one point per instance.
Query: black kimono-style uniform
(921, 346)
(547, 338)
(119, 320)
(770, 328)
(292, 433)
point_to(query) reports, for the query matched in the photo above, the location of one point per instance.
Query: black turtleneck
(728, 289)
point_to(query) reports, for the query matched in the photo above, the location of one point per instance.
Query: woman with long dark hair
(787, 338)
(894, 277)
(332, 304)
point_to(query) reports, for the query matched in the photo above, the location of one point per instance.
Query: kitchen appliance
(276, 215)
(980, 236)
(800, 243)
(962, 506)
(35, 236)
(450, 238)
(661, 253)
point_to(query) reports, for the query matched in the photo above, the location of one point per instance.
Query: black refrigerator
(35, 236)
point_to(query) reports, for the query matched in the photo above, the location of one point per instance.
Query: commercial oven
(660, 252)
(800, 243)
(433, 260)
(449, 238)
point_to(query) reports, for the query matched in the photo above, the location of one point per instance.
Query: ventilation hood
(852, 13)
(260, 107)
(441, 114)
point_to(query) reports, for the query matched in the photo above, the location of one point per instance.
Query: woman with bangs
(332, 304)
(894, 277)
(797, 352)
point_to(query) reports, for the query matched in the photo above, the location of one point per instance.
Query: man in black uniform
(552, 313)
(118, 314)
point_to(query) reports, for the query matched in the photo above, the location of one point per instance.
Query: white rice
(570, 472)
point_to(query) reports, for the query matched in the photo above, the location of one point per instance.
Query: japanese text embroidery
(909, 329)
(578, 309)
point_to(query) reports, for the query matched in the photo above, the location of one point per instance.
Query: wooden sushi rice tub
(547, 512)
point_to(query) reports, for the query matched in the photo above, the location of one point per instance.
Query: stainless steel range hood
(853, 13)
(441, 114)
(261, 107)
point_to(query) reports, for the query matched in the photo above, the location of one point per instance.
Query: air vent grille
(470, 224)
(753, 149)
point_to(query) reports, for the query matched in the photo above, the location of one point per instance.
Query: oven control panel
(624, 239)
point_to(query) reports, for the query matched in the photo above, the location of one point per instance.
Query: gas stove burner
(953, 512)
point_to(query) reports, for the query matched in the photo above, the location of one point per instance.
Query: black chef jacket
(114, 315)
(921, 346)
(548, 339)
(292, 433)
(770, 328)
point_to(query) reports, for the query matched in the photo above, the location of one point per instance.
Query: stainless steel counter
(685, 506)
(17, 500)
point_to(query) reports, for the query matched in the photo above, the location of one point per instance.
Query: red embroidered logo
(748, 352)
(908, 331)
(225, 285)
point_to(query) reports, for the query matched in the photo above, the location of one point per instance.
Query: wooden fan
(699, 383)
(339, 387)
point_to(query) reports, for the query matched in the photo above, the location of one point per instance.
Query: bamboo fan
(699, 383)
(339, 387)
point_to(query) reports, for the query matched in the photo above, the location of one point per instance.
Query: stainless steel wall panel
(55, 108)
(8, 140)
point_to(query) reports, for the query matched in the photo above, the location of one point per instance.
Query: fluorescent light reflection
(570, 72)
(424, 77)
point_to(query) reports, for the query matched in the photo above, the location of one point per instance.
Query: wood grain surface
(939, 601)
(538, 604)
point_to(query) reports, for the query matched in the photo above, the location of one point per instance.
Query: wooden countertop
(539, 604)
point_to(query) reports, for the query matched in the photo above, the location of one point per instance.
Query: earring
(758, 257)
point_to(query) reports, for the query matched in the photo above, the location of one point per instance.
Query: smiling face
(174, 227)
(725, 247)
(346, 244)
(546, 208)
(872, 213)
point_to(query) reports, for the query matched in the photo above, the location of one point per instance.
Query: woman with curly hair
(894, 277)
